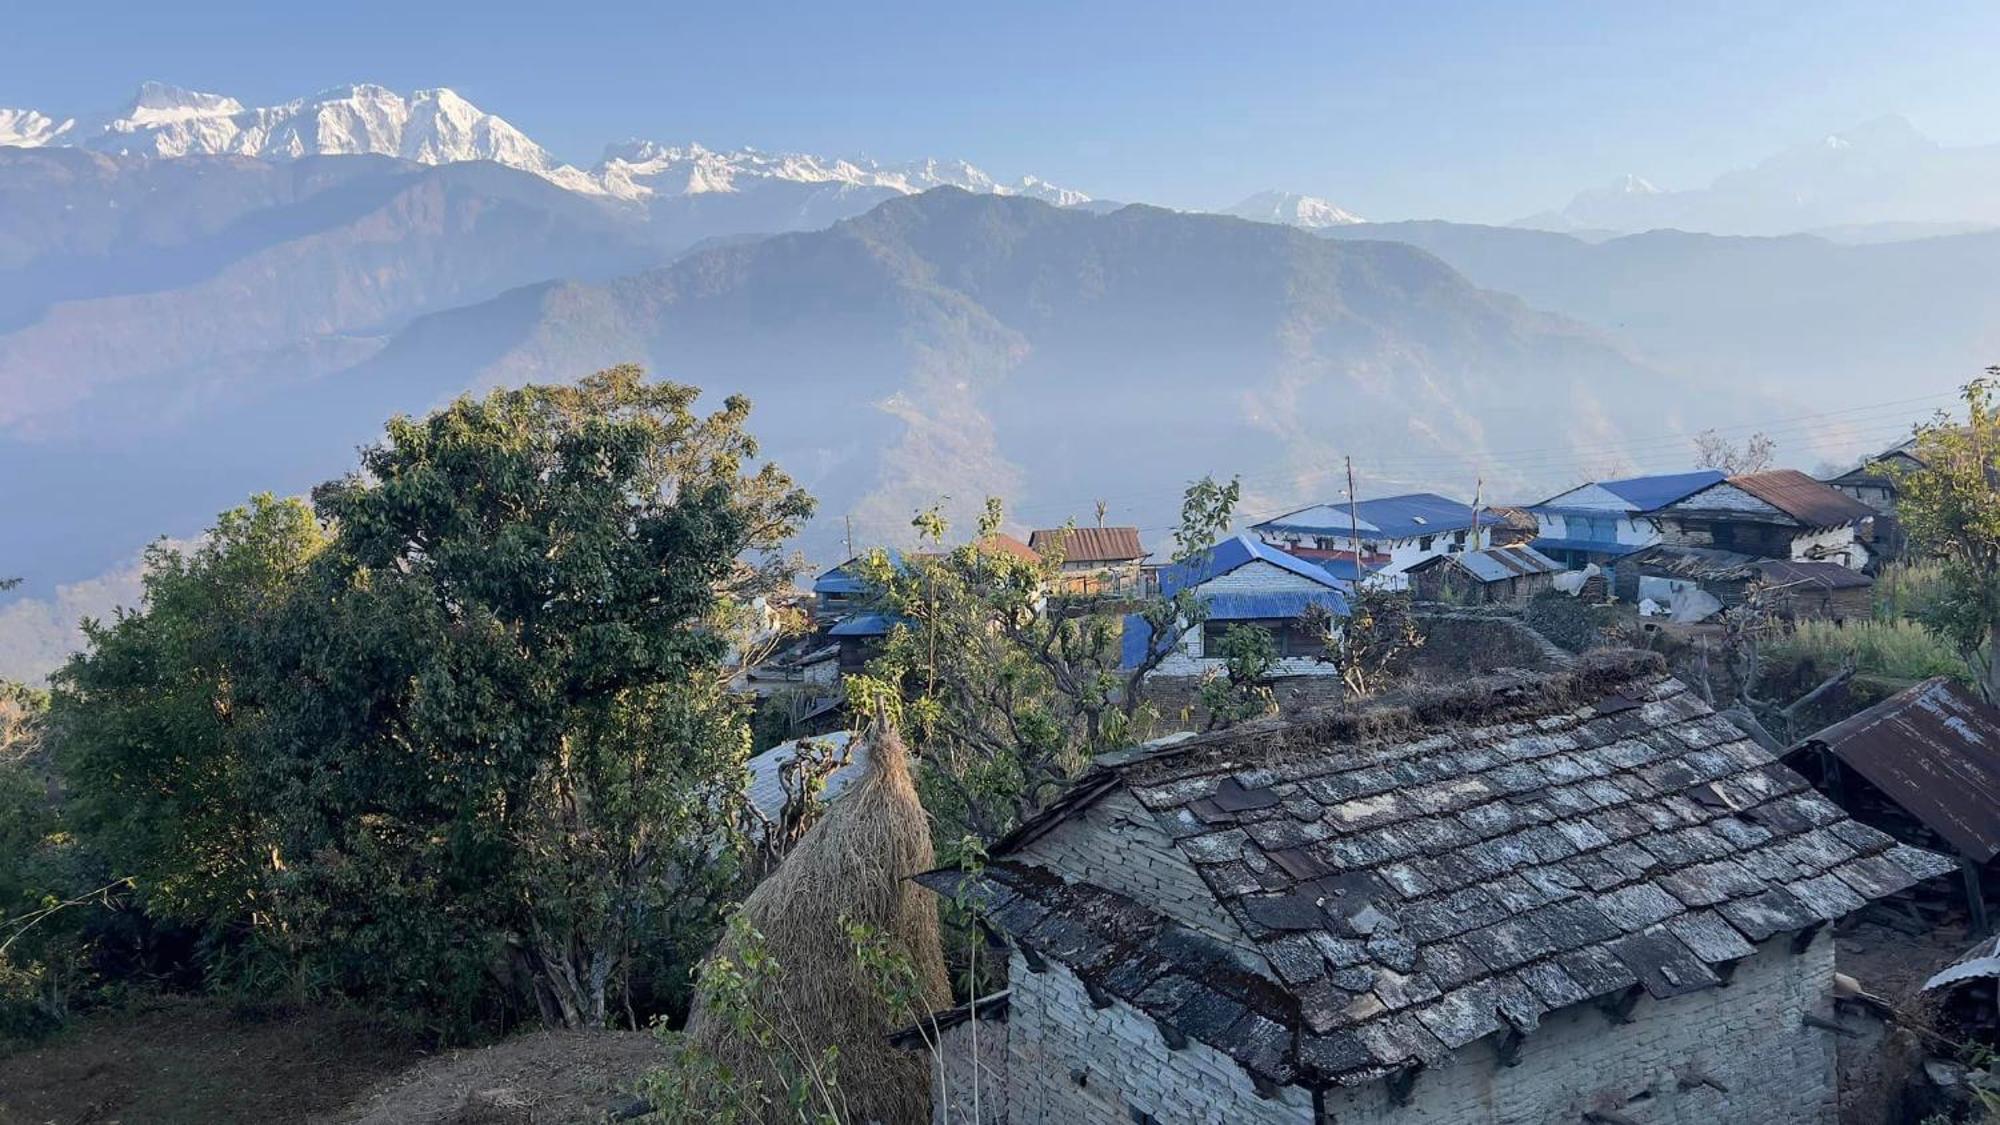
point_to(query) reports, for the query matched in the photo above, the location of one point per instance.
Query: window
(1424, 544)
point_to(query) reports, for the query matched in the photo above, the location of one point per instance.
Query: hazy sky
(1467, 111)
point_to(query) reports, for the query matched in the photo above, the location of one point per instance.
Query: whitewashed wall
(1834, 545)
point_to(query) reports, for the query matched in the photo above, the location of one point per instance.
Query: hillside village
(940, 565)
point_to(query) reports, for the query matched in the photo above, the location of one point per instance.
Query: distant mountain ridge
(437, 126)
(1879, 172)
(1292, 209)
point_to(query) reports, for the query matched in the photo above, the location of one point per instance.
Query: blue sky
(1467, 111)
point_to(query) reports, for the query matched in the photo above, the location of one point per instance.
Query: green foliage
(1001, 701)
(1905, 589)
(1242, 690)
(460, 736)
(1567, 621)
(52, 894)
(156, 748)
(1950, 509)
(1899, 650)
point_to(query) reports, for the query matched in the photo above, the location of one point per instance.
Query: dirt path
(173, 1061)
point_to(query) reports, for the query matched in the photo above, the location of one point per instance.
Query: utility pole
(1478, 484)
(1354, 526)
(848, 519)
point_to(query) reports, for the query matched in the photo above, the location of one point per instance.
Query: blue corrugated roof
(1345, 570)
(1230, 554)
(1391, 517)
(1224, 557)
(1648, 494)
(846, 578)
(864, 625)
(1280, 605)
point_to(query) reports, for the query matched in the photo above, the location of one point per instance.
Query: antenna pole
(1354, 525)
(1478, 484)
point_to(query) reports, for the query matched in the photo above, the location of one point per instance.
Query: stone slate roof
(1420, 876)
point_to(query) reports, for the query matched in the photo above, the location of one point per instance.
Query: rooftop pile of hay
(851, 867)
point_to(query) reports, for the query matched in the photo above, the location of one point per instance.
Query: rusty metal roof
(1935, 751)
(1414, 876)
(1804, 499)
(1090, 544)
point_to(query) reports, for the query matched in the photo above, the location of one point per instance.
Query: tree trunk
(1992, 685)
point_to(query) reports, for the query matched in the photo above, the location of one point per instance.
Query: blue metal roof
(1647, 494)
(1224, 557)
(1391, 517)
(1347, 571)
(865, 625)
(1277, 606)
(1231, 554)
(846, 578)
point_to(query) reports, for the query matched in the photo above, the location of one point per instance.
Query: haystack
(854, 864)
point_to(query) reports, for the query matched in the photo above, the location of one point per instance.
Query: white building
(1386, 536)
(1603, 521)
(1241, 581)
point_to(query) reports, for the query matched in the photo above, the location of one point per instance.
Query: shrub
(1896, 649)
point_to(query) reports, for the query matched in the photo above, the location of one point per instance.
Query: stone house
(1873, 482)
(1795, 590)
(1574, 897)
(1094, 559)
(1778, 514)
(1241, 581)
(1603, 521)
(1385, 536)
(1495, 575)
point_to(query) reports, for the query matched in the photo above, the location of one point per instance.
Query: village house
(1873, 482)
(1505, 575)
(1794, 590)
(1777, 514)
(1603, 521)
(1094, 559)
(1582, 897)
(843, 590)
(1241, 581)
(1384, 537)
(1924, 766)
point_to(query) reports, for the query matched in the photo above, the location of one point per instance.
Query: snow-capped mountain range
(1292, 209)
(440, 127)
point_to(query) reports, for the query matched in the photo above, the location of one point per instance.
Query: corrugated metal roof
(846, 578)
(1281, 605)
(864, 625)
(767, 792)
(1090, 544)
(1935, 751)
(1804, 499)
(1224, 557)
(1391, 517)
(1647, 494)
(1230, 554)
(1495, 564)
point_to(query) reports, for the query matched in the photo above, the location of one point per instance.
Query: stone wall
(1071, 1064)
(1748, 1037)
(970, 1072)
(1741, 1052)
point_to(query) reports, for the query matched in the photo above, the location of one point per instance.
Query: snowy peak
(440, 127)
(1293, 209)
(26, 128)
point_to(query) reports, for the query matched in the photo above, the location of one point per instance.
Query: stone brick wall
(975, 1050)
(1748, 1036)
(1116, 844)
(1071, 1064)
(1737, 1053)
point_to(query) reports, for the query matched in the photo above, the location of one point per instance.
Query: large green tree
(1950, 509)
(153, 735)
(499, 696)
(459, 735)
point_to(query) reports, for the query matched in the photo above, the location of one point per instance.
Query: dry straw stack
(853, 865)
